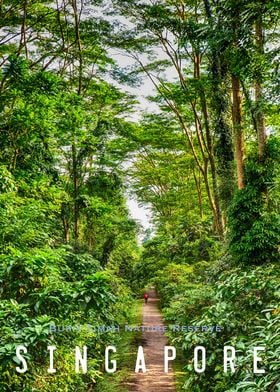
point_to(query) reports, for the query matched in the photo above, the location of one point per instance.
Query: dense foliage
(243, 303)
(203, 158)
(67, 242)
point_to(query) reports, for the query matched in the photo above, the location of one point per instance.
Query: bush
(245, 304)
(254, 222)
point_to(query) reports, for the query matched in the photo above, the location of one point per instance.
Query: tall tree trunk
(74, 146)
(220, 107)
(65, 221)
(199, 192)
(75, 175)
(78, 42)
(260, 121)
(23, 40)
(218, 218)
(238, 133)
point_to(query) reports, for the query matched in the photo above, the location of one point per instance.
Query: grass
(126, 350)
(178, 368)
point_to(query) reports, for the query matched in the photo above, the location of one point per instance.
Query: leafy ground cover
(244, 303)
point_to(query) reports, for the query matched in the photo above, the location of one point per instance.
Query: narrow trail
(154, 380)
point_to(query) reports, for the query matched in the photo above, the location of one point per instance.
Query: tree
(176, 31)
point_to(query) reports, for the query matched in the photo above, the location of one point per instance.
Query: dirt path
(154, 380)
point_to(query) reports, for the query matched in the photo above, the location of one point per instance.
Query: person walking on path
(146, 296)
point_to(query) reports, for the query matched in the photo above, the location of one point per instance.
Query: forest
(172, 105)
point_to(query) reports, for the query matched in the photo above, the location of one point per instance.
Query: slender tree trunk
(65, 217)
(75, 172)
(79, 44)
(203, 102)
(75, 192)
(238, 133)
(13, 163)
(260, 121)
(212, 203)
(23, 40)
(199, 192)
(220, 107)
(219, 218)
(66, 229)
